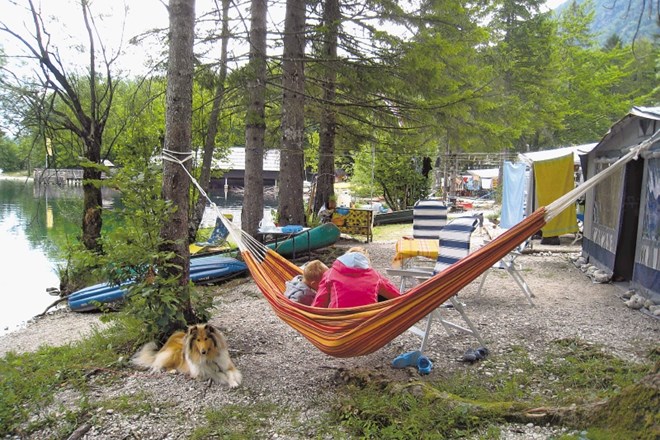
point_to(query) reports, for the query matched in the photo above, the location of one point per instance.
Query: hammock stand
(358, 331)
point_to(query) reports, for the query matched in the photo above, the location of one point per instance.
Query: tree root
(632, 412)
(51, 306)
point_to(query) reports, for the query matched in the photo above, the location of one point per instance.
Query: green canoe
(316, 238)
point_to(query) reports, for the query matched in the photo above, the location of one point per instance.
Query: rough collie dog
(200, 352)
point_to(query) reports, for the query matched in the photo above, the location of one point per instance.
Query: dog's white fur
(200, 352)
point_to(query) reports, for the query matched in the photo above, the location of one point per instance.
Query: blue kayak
(203, 270)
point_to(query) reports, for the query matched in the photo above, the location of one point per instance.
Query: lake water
(35, 223)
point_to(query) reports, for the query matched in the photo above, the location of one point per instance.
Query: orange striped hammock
(357, 331)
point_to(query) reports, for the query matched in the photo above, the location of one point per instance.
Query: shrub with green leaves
(132, 255)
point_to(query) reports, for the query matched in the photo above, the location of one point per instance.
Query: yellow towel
(414, 247)
(553, 179)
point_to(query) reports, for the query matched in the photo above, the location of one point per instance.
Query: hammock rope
(358, 331)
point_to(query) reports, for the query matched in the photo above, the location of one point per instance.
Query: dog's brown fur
(200, 352)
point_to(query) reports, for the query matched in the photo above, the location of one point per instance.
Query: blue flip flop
(408, 359)
(424, 365)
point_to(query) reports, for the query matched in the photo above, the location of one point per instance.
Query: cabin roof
(236, 160)
(637, 114)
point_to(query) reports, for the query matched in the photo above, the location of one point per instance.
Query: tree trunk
(255, 124)
(92, 221)
(291, 209)
(326, 172)
(209, 141)
(88, 97)
(178, 128)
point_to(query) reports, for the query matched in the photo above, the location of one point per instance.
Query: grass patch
(392, 232)
(239, 422)
(266, 420)
(135, 404)
(571, 381)
(31, 380)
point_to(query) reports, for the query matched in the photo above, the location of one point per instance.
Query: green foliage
(312, 219)
(135, 128)
(388, 172)
(10, 157)
(133, 253)
(80, 268)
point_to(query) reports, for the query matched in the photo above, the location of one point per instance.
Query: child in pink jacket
(351, 281)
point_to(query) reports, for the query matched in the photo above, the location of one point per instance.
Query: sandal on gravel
(408, 359)
(481, 352)
(470, 355)
(424, 365)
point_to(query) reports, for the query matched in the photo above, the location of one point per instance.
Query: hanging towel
(513, 193)
(554, 178)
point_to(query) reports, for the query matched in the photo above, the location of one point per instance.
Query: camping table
(278, 235)
(407, 248)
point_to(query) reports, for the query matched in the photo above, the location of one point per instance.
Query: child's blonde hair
(360, 250)
(312, 273)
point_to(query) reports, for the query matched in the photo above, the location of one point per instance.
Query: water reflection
(36, 221)
(230, 200)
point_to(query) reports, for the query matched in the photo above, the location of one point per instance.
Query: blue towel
(291, 229)
(513, 193)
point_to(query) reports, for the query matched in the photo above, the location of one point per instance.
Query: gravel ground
(281, 367)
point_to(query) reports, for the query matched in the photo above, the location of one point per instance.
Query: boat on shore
(393, 217)
(205, 269)
(318, 237)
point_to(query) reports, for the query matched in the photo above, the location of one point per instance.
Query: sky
(116, 27)
(552, 4)
(68, 28)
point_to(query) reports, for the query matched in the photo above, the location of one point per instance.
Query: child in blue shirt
(302, 288)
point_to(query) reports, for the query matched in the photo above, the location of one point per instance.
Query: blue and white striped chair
(429, 217)
(454, 245)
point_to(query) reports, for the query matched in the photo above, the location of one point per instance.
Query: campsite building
(622, 213)
(234, 167)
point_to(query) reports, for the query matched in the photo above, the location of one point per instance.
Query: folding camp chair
(429, 217)
(580, 231)
(508, 263)
(454, 245)
(218, 237)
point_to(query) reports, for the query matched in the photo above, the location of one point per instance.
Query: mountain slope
(621, 17)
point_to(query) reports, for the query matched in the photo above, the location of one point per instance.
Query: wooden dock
(63, 176)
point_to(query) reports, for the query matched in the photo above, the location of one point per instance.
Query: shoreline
(8, 177)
